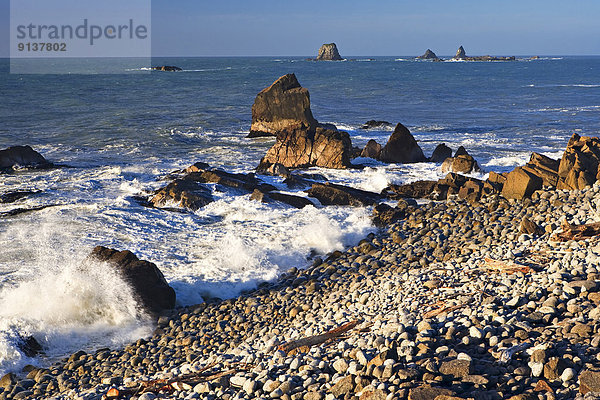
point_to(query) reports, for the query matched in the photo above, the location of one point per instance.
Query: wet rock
(11, 197)
(289, 199)
(148, 283)
(520, 184)
(402, 148)
(384, 214)
(186, 193)
(285, 105)
(372, 150)
(30, 346)
(375, 124)
(329, 52)
(441, 153)
(302, 148)
(22, 156)
(414, 190)
(332, 194)
(461, 164)
(276, 169)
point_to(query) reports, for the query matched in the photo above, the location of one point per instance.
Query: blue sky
(361, 28)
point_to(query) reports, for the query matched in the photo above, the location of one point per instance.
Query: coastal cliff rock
(302, 148)
(21, 156)
(429, 55)
(283, 105)
(402, 148)
(578, 166)
(148, 283)
(329, 52)
(544, 167)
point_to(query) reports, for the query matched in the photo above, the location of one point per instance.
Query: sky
(366, 28)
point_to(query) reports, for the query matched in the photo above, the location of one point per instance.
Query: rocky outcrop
(371, 124)
(331, 194)
(329, 52)
(22, 156)
(282, 106)
(402, 148)
(462, 162)
(169, 68)
(413, 190)
(289, 199)
(578, 166)
(544, 167)
(429, 55)
(186, 193)
(441, 153)
(461, 55)
(372, 150)
(148, 283)
(521, 183)
(302, 148)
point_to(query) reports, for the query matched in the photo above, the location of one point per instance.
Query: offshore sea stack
(283, 105)
(429, 55)
(329, 52)
(146, 280)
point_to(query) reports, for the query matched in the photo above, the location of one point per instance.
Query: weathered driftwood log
(577, 232)
(306, 343)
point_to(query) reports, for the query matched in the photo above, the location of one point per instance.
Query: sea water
(120, 135)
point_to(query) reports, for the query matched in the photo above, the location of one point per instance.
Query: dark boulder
(413, 190)
(301, 148)
(285, 105)
(22, 156)
(329, 52)
(375, 124)
(29, 346)
(11, 197)
(148, 283)
(402, 148)
(169, 68)
(372, 150)
(384, 215)
(441, 153)
(338, 195)
(294, 201)
(186, 193)
(464, 164)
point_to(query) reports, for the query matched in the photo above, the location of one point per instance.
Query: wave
(579, 85)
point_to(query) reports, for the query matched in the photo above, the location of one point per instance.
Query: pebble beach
(456, 301)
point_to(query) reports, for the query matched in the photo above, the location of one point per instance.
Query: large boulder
(283, 105)
(429, 55)
(372, 150)
(148, 283)
(329, 52)
(441, 153)
(521, 183)
(402, 148)
(544, 167)
(185, 193)
(21, 156)
(578, 167)
(462, 162)
(413, 190)
(302, 148)
(330, 194)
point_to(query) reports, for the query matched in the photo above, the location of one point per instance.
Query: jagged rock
(578, 166)
(495, 177)
(453, 183)
(461, 151)
(372, 150)
(294, 201)
(285, 105)
(22, 156)
(167, 68)
(384, 214)
(331, 194)
(441, 153)
(186, 193)
(460, 53)
(375, 124)
(463, 163)
(148, 283)
(429, 55)
(301, 148)
(329, 52)
(520, 183)
(471, 191)
(29, 346)
(413, 190)
(544, 167)
(244, 182)
(402, 148)
(276, 169)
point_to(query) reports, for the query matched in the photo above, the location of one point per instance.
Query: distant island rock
(429, 55)
(167, 68)
(329, 52)
(375, 124)
(461, 55)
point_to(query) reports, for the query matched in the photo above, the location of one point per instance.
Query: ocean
(120, 135)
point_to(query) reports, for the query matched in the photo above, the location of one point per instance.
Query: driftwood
(502, 266)
(442, 310)
(577, 232)
(305, 343)
(172, 384)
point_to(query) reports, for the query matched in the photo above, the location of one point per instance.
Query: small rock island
(329, 52)
(429, 55)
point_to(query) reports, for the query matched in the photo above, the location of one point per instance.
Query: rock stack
(329, 52)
